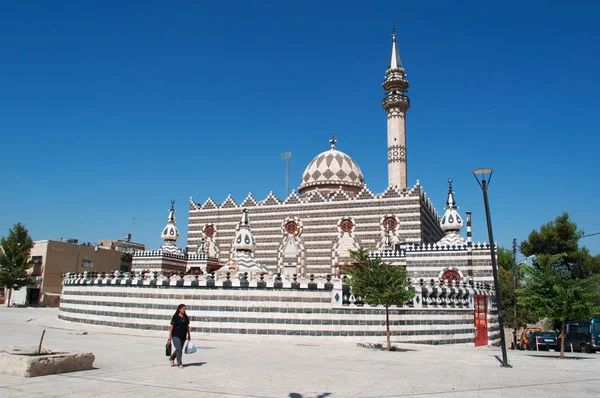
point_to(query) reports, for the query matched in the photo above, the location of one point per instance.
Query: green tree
(510, 293)
(552, 292)
(14, 259)
(561, 236)
(378, 283)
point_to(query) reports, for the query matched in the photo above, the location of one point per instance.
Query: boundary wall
(440, 313)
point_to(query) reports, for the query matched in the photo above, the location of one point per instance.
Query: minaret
(396, 103)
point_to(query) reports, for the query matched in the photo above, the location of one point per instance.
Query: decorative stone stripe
(434, 317)
(466, 338)
(440, 312)
(420, 325)
(287, 207)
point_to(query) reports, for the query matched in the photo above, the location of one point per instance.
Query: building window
(87, 264)
(209, 231)
(291, 227)
(451, 275)
(390, 224)
(346, 225)
(36, 260)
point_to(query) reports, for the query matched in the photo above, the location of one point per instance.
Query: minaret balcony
(395, 101)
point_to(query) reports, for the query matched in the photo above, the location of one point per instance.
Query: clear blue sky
(111, 109)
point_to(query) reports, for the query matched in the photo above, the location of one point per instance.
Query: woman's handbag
(168, 348)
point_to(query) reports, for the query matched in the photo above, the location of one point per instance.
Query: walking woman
(180, 328)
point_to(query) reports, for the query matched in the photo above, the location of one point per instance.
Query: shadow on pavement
(558, 356)
(381, 347)
(186, 365)
(296, 395)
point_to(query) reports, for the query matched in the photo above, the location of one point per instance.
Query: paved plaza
(135, 365)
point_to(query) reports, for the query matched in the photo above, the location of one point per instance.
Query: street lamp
(483, 177)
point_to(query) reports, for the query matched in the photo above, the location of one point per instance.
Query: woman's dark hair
(180, 306)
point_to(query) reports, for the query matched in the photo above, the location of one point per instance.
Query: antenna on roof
(287, 156)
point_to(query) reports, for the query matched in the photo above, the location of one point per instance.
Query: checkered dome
(332, 168)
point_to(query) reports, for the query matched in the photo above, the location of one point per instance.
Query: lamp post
(515, 322)
(483, 177)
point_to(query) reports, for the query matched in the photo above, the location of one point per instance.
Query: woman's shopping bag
(190, 348)
(168, 348)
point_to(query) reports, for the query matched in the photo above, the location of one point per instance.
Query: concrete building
(51, 259)
(126, 246)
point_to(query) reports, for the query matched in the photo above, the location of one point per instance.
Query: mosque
(281, 252)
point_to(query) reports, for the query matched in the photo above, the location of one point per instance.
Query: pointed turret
(451, 222)
(170, 233)
(450, 202)
(395, 61)
(396, 103)
(244, 221)
(243, 250)
(244, 241)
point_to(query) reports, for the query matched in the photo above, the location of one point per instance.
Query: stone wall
(317, 308)
(319, 216)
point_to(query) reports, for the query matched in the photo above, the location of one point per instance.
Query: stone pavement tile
(433, 395)
(446, 388)
(467, 394)
(9, 381)
(12, 393)
(263, 368)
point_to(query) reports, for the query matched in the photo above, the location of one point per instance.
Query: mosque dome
(331, 170)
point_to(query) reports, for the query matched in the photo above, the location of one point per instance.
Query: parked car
(542, 341)
(526, 335)
(582, 336)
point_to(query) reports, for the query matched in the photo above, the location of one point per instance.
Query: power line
(585, 236)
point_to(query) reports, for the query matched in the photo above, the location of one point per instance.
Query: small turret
(244, 240)
(170, 233)
(243, 250)
(451, 222)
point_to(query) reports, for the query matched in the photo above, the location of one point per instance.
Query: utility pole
(287, 156)
(516, 324)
